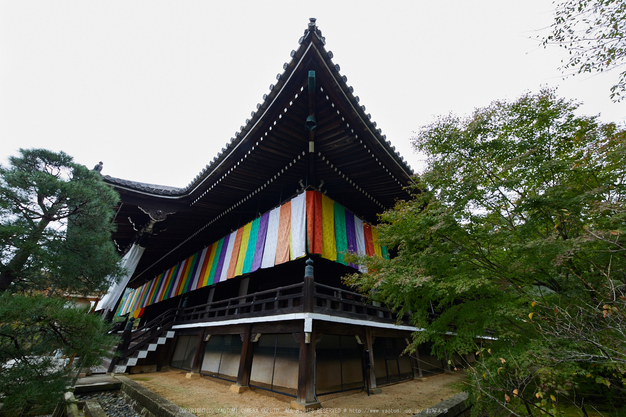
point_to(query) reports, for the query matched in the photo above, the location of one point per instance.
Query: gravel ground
(207, 397)
(111, 402)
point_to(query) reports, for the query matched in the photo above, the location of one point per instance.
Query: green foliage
(55, 225)
(33, 331)
(55, 235)
(593, 33)
(515, 233)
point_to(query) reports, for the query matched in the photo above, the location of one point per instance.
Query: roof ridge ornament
(312, 29)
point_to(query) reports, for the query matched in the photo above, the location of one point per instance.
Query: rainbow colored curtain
(310, 223)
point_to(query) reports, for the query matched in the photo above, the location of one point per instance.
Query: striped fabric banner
(284, 234)
(310, 223)
(298, 227)
(269, 252)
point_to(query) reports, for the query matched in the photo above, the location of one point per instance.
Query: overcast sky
(154, 89)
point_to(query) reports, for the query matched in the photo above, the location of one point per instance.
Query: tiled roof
(311, 34)
(148, 188)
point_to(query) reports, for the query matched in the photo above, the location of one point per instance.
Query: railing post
(276, 297)
(309, 287)
(253, 303)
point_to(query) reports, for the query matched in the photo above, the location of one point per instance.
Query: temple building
(238, 275)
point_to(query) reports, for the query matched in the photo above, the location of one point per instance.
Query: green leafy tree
(594, 34)
(514, 244)
(35, 332)
(55, 234)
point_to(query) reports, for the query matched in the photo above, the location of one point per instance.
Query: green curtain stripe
(172, 281)
(191, 272)
(156, 290)
(216, 260)
(341, 238)
(250, 250)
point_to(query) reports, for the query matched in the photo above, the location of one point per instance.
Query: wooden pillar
(306, 399)
(415, 364)
(196, 362)
(245, 362)
(369, 343)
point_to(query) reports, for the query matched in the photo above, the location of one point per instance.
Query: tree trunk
(11, 271)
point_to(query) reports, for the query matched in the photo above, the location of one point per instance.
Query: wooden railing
(306, 296)
(155, 328)
(134, 340)
(340, 302)
(280, 300)
(302, 297)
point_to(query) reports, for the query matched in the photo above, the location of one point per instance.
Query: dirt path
(205, 396)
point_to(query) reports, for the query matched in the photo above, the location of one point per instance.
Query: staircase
(138, 343)
(129, 361)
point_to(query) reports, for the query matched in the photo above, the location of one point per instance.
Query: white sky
(154, 89)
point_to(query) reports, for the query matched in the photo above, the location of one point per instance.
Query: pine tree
(55, 230)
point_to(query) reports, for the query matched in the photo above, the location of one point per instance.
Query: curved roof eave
(146, 189)
(312, 40)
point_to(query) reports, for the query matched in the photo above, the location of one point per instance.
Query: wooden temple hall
(238, 275)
